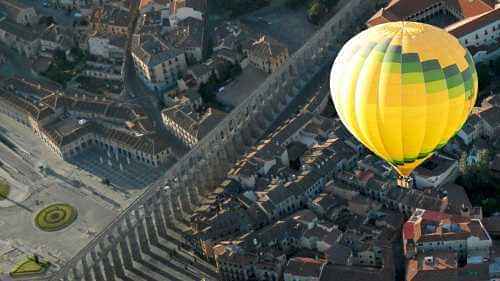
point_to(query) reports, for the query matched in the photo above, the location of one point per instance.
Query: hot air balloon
(403, 89)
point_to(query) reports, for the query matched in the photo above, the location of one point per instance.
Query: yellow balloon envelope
(403, 89)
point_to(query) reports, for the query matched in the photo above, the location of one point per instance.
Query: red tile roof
(408, 230)
(434, 216)
(471, 24)
(472, 8)
(382, 16)
(399, 9)
(306, 267)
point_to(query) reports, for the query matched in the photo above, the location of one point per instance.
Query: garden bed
(28, 267)
(55, 217)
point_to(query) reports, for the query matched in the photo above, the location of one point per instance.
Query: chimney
(429, 260)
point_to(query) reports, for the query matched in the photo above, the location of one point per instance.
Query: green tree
(490, 205)
(329, 3)
(294, 4)
(477, 174)
(483, 73)
(496, 65)
(207, 90)
(235, 70)
(314, 12)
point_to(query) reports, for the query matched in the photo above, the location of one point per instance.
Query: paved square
(291, 27)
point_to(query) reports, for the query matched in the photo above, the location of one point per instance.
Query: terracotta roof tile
(471, 24)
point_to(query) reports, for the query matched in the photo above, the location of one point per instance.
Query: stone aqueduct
(109, 254)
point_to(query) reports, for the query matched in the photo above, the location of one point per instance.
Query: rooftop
(402, 9)
(28, 34)
(444, 266)
(115, 16)
(304, 267)
(266, 47)
(435, 166)
(491, 116)
(346, 272)
(198, 124)
(153, 50)
(474, 22)
(425, 225)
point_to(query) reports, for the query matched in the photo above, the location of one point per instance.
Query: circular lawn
(55, 217)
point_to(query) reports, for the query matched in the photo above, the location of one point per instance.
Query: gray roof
(290, 128)
(25, 33)
(118, 41)
(278, 194)
(189, 34)
(414, 198)
(115, 16)
(65, 131)
(200, 69)
(435, 165)
(491, 116)
(153, 50)
(338, 254)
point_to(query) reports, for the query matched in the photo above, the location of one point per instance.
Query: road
(177, 266)
(139, 94)
(10, 158)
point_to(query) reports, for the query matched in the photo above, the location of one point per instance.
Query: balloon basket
(405, 181)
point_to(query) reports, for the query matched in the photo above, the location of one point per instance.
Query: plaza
(77, 182)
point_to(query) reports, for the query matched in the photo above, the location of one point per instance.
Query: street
(139, 94)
